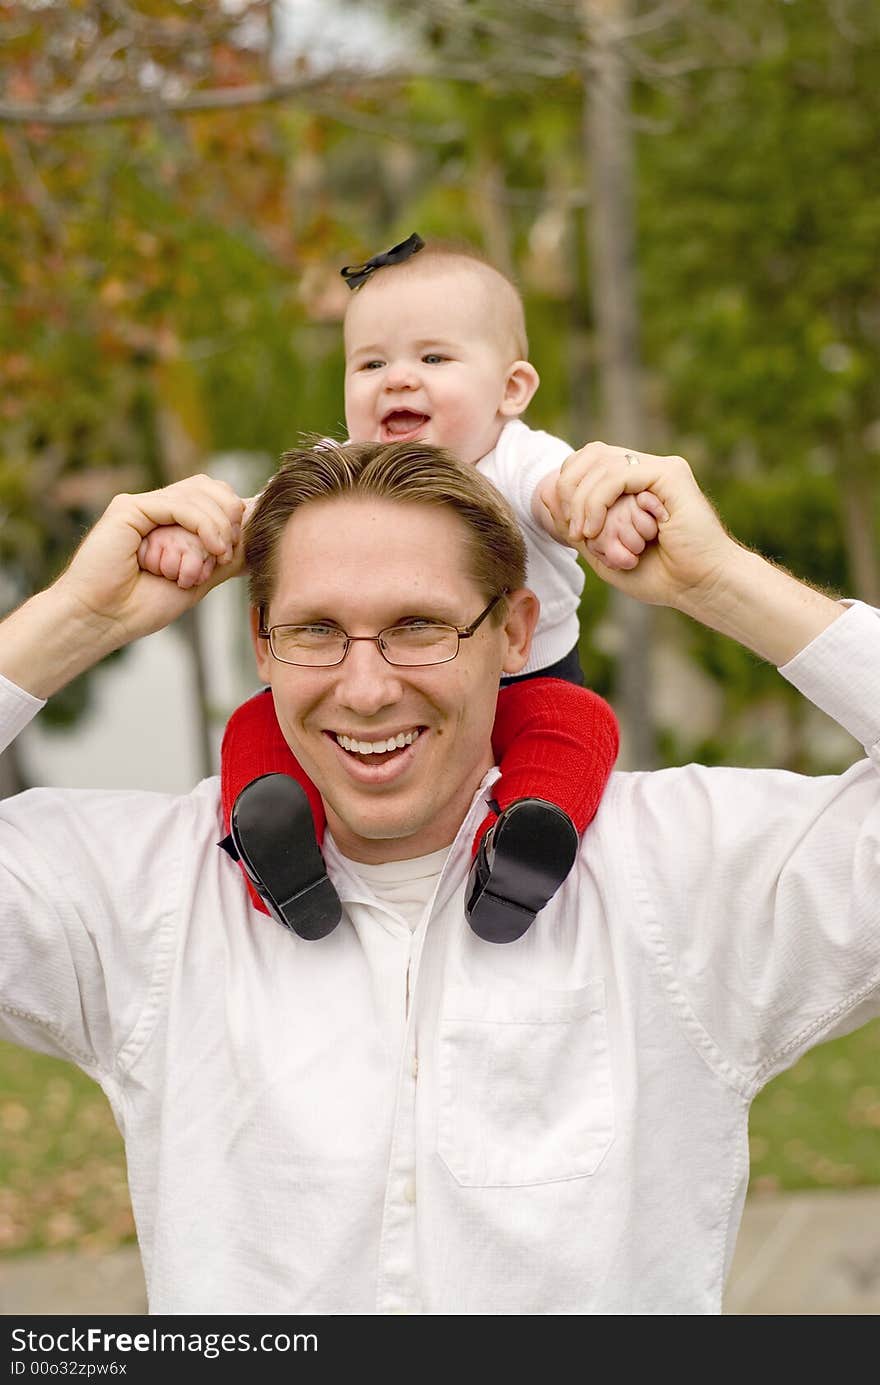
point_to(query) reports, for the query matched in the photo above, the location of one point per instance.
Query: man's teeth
(378, 747)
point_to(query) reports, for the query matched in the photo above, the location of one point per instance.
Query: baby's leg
(556, 745)
(555, 741)
(253, 746)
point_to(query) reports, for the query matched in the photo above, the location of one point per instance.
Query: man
(401, 1118)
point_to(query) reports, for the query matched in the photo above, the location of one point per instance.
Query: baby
(436, 350)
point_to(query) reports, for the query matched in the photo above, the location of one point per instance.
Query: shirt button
(409, 1190)
(415, 1066)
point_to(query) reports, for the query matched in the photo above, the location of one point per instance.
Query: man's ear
(261, 647)
(519, 388)
(523, 610)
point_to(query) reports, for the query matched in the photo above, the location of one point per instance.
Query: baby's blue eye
(432, 358)
(372, 365)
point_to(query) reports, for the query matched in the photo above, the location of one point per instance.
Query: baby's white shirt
(520, 460)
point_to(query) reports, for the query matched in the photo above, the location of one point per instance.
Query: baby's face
(424, 358)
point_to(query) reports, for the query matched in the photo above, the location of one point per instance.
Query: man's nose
(367, 682)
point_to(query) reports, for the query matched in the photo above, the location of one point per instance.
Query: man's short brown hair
(406, 473)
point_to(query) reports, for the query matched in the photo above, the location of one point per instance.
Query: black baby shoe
(272, 833)
(520, 865)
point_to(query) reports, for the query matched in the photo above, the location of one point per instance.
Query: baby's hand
(630, 524)
(173, 552)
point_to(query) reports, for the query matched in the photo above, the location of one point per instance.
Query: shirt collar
(351, 887)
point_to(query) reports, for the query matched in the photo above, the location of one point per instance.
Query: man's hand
(693, 564)
(104, 575)
(690, 546)
(171, 551)
(103, 599)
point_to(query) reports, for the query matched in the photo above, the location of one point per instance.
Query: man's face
(363, 565)
(424, 360)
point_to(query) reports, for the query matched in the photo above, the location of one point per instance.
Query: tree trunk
(182, 437)
(858, 488)
(490, 208)
(190, 631)
(12, 776)
(611, 235)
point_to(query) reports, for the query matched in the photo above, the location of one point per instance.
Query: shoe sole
(273, 830)
(529, 863)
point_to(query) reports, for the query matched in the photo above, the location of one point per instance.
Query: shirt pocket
(525, 1086)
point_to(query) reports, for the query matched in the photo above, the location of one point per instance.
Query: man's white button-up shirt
(399, 1120)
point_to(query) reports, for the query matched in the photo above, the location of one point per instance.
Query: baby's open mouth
(401, 422)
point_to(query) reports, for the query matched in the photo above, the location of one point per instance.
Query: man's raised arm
(694, 565)
(103, 600)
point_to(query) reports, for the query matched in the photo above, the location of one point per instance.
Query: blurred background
(687, 193)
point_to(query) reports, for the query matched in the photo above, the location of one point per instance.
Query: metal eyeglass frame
(265, 633)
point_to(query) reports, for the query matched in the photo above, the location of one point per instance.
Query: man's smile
(377, 745)
(377, 760)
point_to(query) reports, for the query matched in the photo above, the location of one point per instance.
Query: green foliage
(760, 221)
(817, 1125)
(62, 1166)
(150, 294)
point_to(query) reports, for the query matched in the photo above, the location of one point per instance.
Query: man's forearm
(763, 607)
(49, 640)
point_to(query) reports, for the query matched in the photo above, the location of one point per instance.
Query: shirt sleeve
(839, 672)
(89, 902)
(522, 459)
(759, 890)
(17, 708)
(89, 905)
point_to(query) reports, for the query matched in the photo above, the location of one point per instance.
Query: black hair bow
(357, 274)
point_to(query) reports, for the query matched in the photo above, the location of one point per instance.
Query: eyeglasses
(414, 645)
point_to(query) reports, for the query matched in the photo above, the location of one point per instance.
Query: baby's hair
(502, 289)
